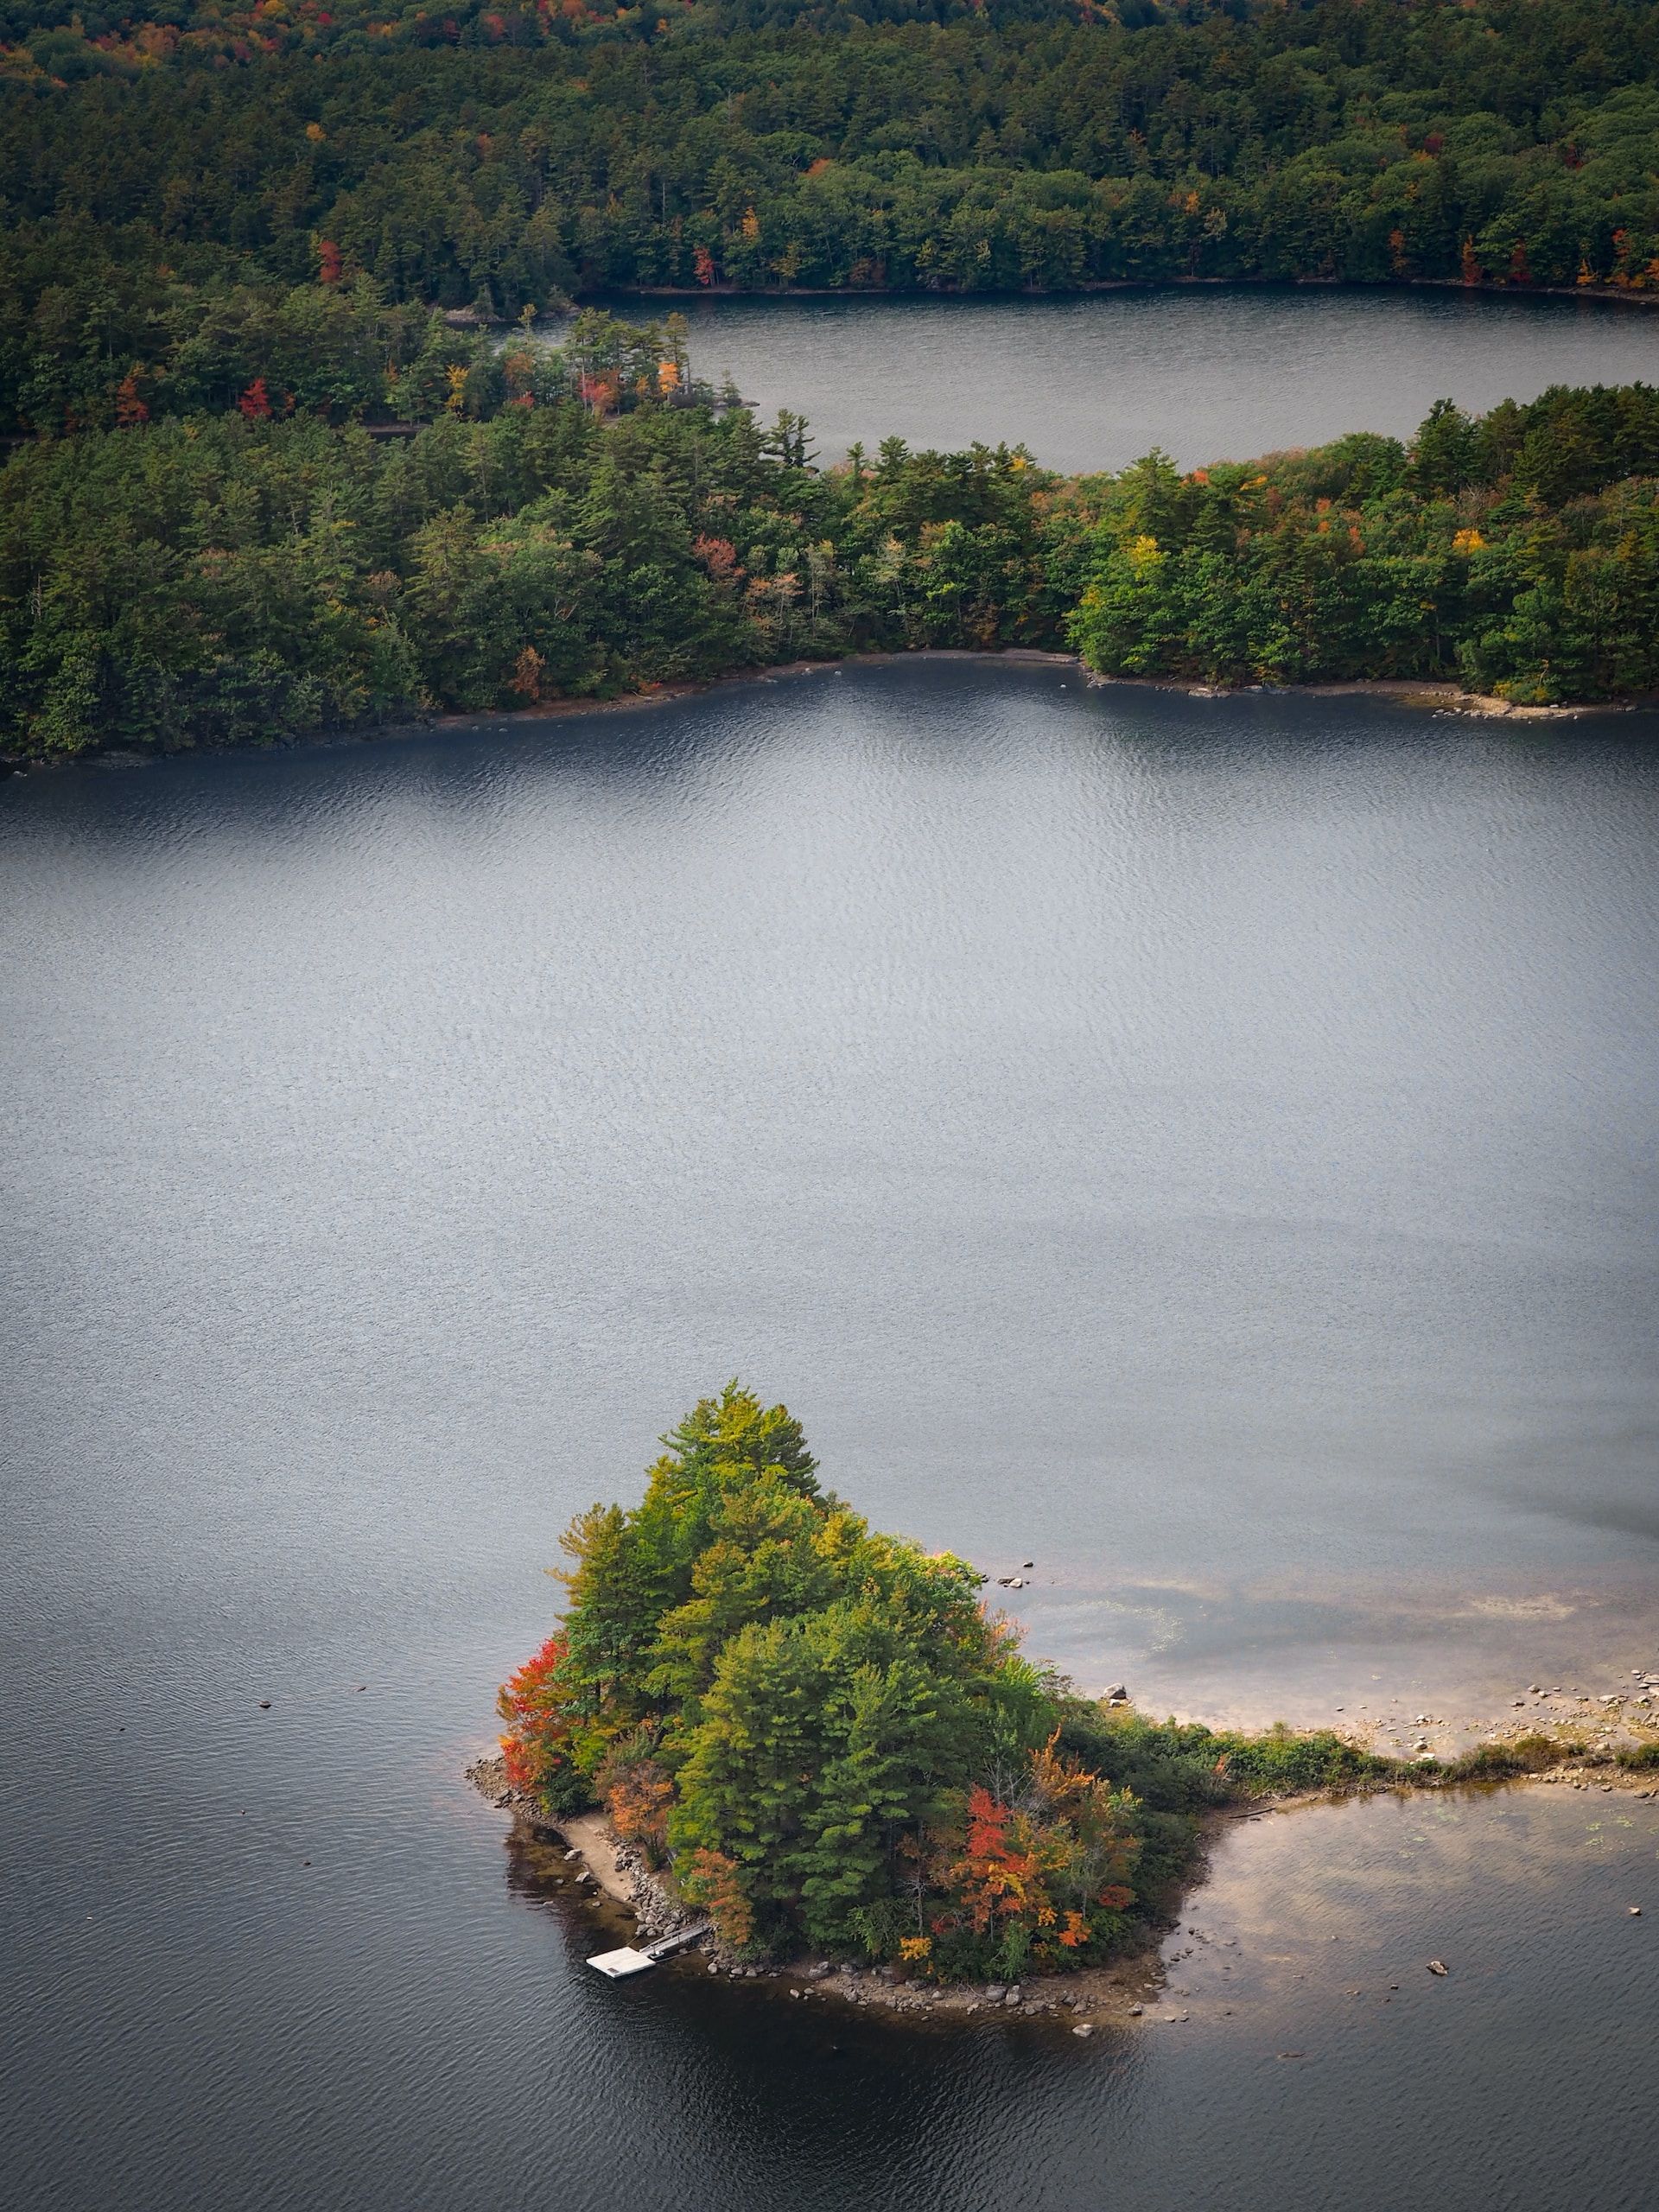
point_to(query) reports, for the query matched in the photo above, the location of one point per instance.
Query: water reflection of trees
(537, 1871)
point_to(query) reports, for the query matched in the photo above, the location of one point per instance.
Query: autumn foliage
(1044, 1877)
(637, 1791)
(818, 1732)
(535, 1747)
(129, 408)
(715, 1881)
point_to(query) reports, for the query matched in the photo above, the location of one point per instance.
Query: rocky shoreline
(1122, 1992)
(614, 1870)
(1622, 296)
(1439, 696)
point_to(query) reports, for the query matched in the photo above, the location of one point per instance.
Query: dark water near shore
(1210, 374)
(1204, 1146)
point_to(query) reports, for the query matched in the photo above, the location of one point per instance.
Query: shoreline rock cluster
(658, 1911)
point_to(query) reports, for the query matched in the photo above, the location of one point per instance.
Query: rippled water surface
(1203, 1145)
(1210, 374)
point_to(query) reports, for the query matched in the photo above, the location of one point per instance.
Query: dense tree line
(827, 1739)
(579, 522)
(158, 156)
(1518, 553)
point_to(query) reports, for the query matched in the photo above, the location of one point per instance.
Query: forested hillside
(168, 164)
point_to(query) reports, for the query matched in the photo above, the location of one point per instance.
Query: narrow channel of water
(1210, 374)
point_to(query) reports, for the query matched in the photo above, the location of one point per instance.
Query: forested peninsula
(580, 521)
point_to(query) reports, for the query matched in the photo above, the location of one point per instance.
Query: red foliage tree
(255, 402)
(532, 1703)
(601, 392)
(331, 266)
(1035, 1877)
(994, 1879)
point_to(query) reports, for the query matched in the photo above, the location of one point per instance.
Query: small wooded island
(818, 1735)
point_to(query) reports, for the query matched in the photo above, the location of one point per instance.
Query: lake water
(1209, 373)
(1204, 1146)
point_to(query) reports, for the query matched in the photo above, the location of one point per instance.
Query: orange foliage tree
(713, 1880)
(527, 675)
(638, 1792)
(1042, 1879)
(130, 409)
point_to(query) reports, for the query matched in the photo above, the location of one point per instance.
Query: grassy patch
(1528, 1754)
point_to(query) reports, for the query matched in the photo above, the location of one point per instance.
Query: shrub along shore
(821, 1738)
(583, 521)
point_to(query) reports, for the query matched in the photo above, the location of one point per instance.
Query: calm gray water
(1210, 374)
(1205, 1145)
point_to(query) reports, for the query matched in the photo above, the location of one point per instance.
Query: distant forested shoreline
(286, 457)
(176, 175)
(586, 521)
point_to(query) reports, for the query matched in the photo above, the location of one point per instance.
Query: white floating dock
(616, 1966)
